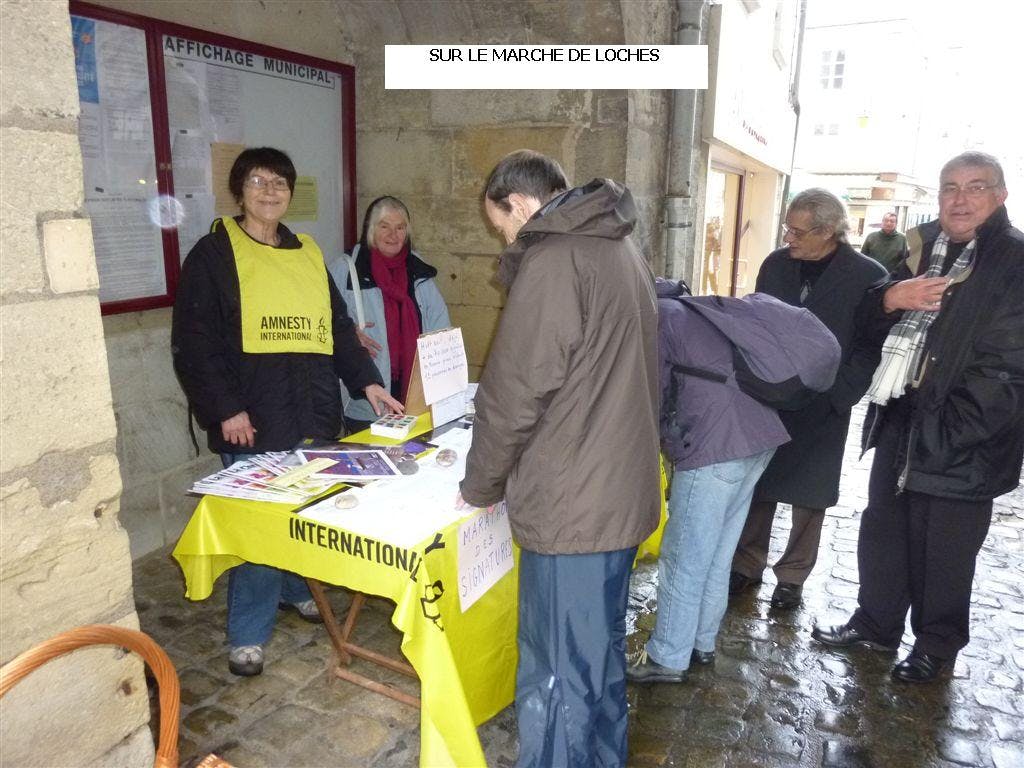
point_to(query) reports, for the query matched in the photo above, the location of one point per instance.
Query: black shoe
(920, 667)
(845, 636)
(739, 582)
(787, 596)
(702, 658)
(646, 670)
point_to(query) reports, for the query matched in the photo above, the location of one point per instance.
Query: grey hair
(826, 210)
(380, 207)
(974, 159)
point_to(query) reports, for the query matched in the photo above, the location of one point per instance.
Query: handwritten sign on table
(485, 554)
(443, 364)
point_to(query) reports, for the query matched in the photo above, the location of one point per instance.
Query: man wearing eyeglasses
(819, 270)
(946, 420)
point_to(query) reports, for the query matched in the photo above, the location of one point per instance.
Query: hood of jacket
(603, 208)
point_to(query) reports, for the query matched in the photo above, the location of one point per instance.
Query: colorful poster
(83, 35)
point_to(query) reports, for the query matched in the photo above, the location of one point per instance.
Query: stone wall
(64, 558)
(433, 149)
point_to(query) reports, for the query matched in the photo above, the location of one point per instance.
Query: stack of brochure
(257, 479)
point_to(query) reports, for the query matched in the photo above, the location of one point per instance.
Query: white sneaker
(246, 660)
(306, 609)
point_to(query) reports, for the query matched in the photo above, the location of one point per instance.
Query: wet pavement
(773, 698)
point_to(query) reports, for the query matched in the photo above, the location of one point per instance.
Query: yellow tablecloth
(466, 662)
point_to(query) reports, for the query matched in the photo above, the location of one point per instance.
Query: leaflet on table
(459, 437)
(406, 510)
(352, 465)
(448, 408)
(226, 483)
(278, 462)
(250, 480)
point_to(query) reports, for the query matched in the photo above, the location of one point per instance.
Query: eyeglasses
(796, 234)
(260, 182)
(969, 190)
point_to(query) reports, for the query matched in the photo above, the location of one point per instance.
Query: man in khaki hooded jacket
(567, 432)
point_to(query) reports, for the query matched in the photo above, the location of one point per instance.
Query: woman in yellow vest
(260, 337)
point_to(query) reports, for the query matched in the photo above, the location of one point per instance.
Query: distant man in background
(566, 431)
(887, 246)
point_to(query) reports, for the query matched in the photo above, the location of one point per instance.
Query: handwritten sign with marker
(485, 554)
(443, 364)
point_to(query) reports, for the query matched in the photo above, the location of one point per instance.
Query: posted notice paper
(485, 553)
(443, 365)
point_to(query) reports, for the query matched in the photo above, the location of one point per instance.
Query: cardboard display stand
(441, 360)
(415, 405)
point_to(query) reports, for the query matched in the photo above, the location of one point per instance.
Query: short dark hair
(274, 160)
(527, 172)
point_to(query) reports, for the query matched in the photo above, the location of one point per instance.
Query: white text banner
(515, 67)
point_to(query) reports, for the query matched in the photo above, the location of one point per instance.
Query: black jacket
(806, 470)
(965, 437)
(288, 396)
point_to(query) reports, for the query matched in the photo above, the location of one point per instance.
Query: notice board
(166, 109)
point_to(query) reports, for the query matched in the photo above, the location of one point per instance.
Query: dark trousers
(571, 679)
(916, 551)
(801, 553)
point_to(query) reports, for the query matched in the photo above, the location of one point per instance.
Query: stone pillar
(63, 555)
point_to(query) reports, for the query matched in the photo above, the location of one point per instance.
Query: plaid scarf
(903, 347)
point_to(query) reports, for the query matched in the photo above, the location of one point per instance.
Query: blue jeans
(571, 679)
(707, 509)
(254, 592)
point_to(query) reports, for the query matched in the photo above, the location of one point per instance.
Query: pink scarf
(403, 323)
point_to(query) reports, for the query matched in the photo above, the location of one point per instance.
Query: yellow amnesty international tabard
(286, 301)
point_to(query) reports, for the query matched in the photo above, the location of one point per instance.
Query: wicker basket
(105, 634)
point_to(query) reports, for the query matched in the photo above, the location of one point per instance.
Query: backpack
(782, 355)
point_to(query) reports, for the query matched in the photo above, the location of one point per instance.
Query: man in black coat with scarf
(819, 270)
(947, 423)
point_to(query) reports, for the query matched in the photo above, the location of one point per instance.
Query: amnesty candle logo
(321, 331)
(288, 328)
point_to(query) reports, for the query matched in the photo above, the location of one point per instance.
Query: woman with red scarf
(393, 298)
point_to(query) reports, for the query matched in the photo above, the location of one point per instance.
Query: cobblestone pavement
(773, 698)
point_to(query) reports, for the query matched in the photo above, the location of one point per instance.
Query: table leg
(346, 649)
(338, 639)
